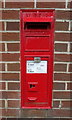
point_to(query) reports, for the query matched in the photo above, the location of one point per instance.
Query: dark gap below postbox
(37, 25)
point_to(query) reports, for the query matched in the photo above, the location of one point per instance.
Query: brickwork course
(10, 100)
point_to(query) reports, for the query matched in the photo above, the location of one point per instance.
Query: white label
(33, 67)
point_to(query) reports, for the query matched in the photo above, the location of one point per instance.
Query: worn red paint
(37, 42)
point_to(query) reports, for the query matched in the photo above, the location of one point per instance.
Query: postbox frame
(31, 54)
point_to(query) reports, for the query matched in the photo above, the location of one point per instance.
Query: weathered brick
(10, 36)
(58, 86)
(70, 67)
(13, 86)
(71, 58)
(2, 85)
(62, 95)
(10, 14)
(2, 67)
(61, 26)
(10, 57)
(66, 104)
(70, 4)
(10, 95)
(69, 86)
(12, 112)
(13, 47)
(70, 47)
(0, 14)
(3, 112)
(58, 113)
(62, 76)
(14, 67)
(62, 36)
(32, 113)
(71, 26)
(60, 67)
(49, 4)
(21, 4)
(60, 14)
(1, 4)
(13, 103)
(62, 57)
(1, 95)
(2, 103)
(56, 104)
(12, 26)
(2, 47)
(60, 47)
(1, 26)
(9, 76)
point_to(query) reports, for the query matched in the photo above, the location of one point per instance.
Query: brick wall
(10, 60)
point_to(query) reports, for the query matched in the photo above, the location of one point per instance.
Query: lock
(37, 59)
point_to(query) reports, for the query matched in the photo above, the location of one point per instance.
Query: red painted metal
(37, 41)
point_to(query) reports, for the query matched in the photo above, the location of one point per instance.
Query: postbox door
(36, 85)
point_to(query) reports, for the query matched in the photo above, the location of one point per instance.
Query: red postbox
(37, 46)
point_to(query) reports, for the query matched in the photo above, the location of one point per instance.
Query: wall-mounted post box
(37, 45)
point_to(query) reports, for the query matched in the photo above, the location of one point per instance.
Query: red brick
(50, 4)
(62, 95)
(10, 95)
(62, 36)
(10, 76)
(71, 26)
(10, 57)
(62, 57)
(10, 36)
(70, 4)
(13, 46)
(69, 86)
(60, 47)
(32, 113)
(10, 14)
(12, 26)
(2, 103)
(70, 67)
(13, 103)
(56, 104)
(18, 4)
(1, 37)
(62, 76)
(3, 112)
(60, 14)
(1, 26)
(58, 86)
(1, 14)
(14, 67)
(70, 47)
(2, 85)
(13, 112)
(58, 113)
(60, 67)
(1, 95)
(45, 113)
(1, 4)
(71, 58)
(2, 47)
(61, 26)
(66, 104)
(2, 67)
(13, 86)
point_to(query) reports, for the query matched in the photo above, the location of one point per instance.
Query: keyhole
(31, 86)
